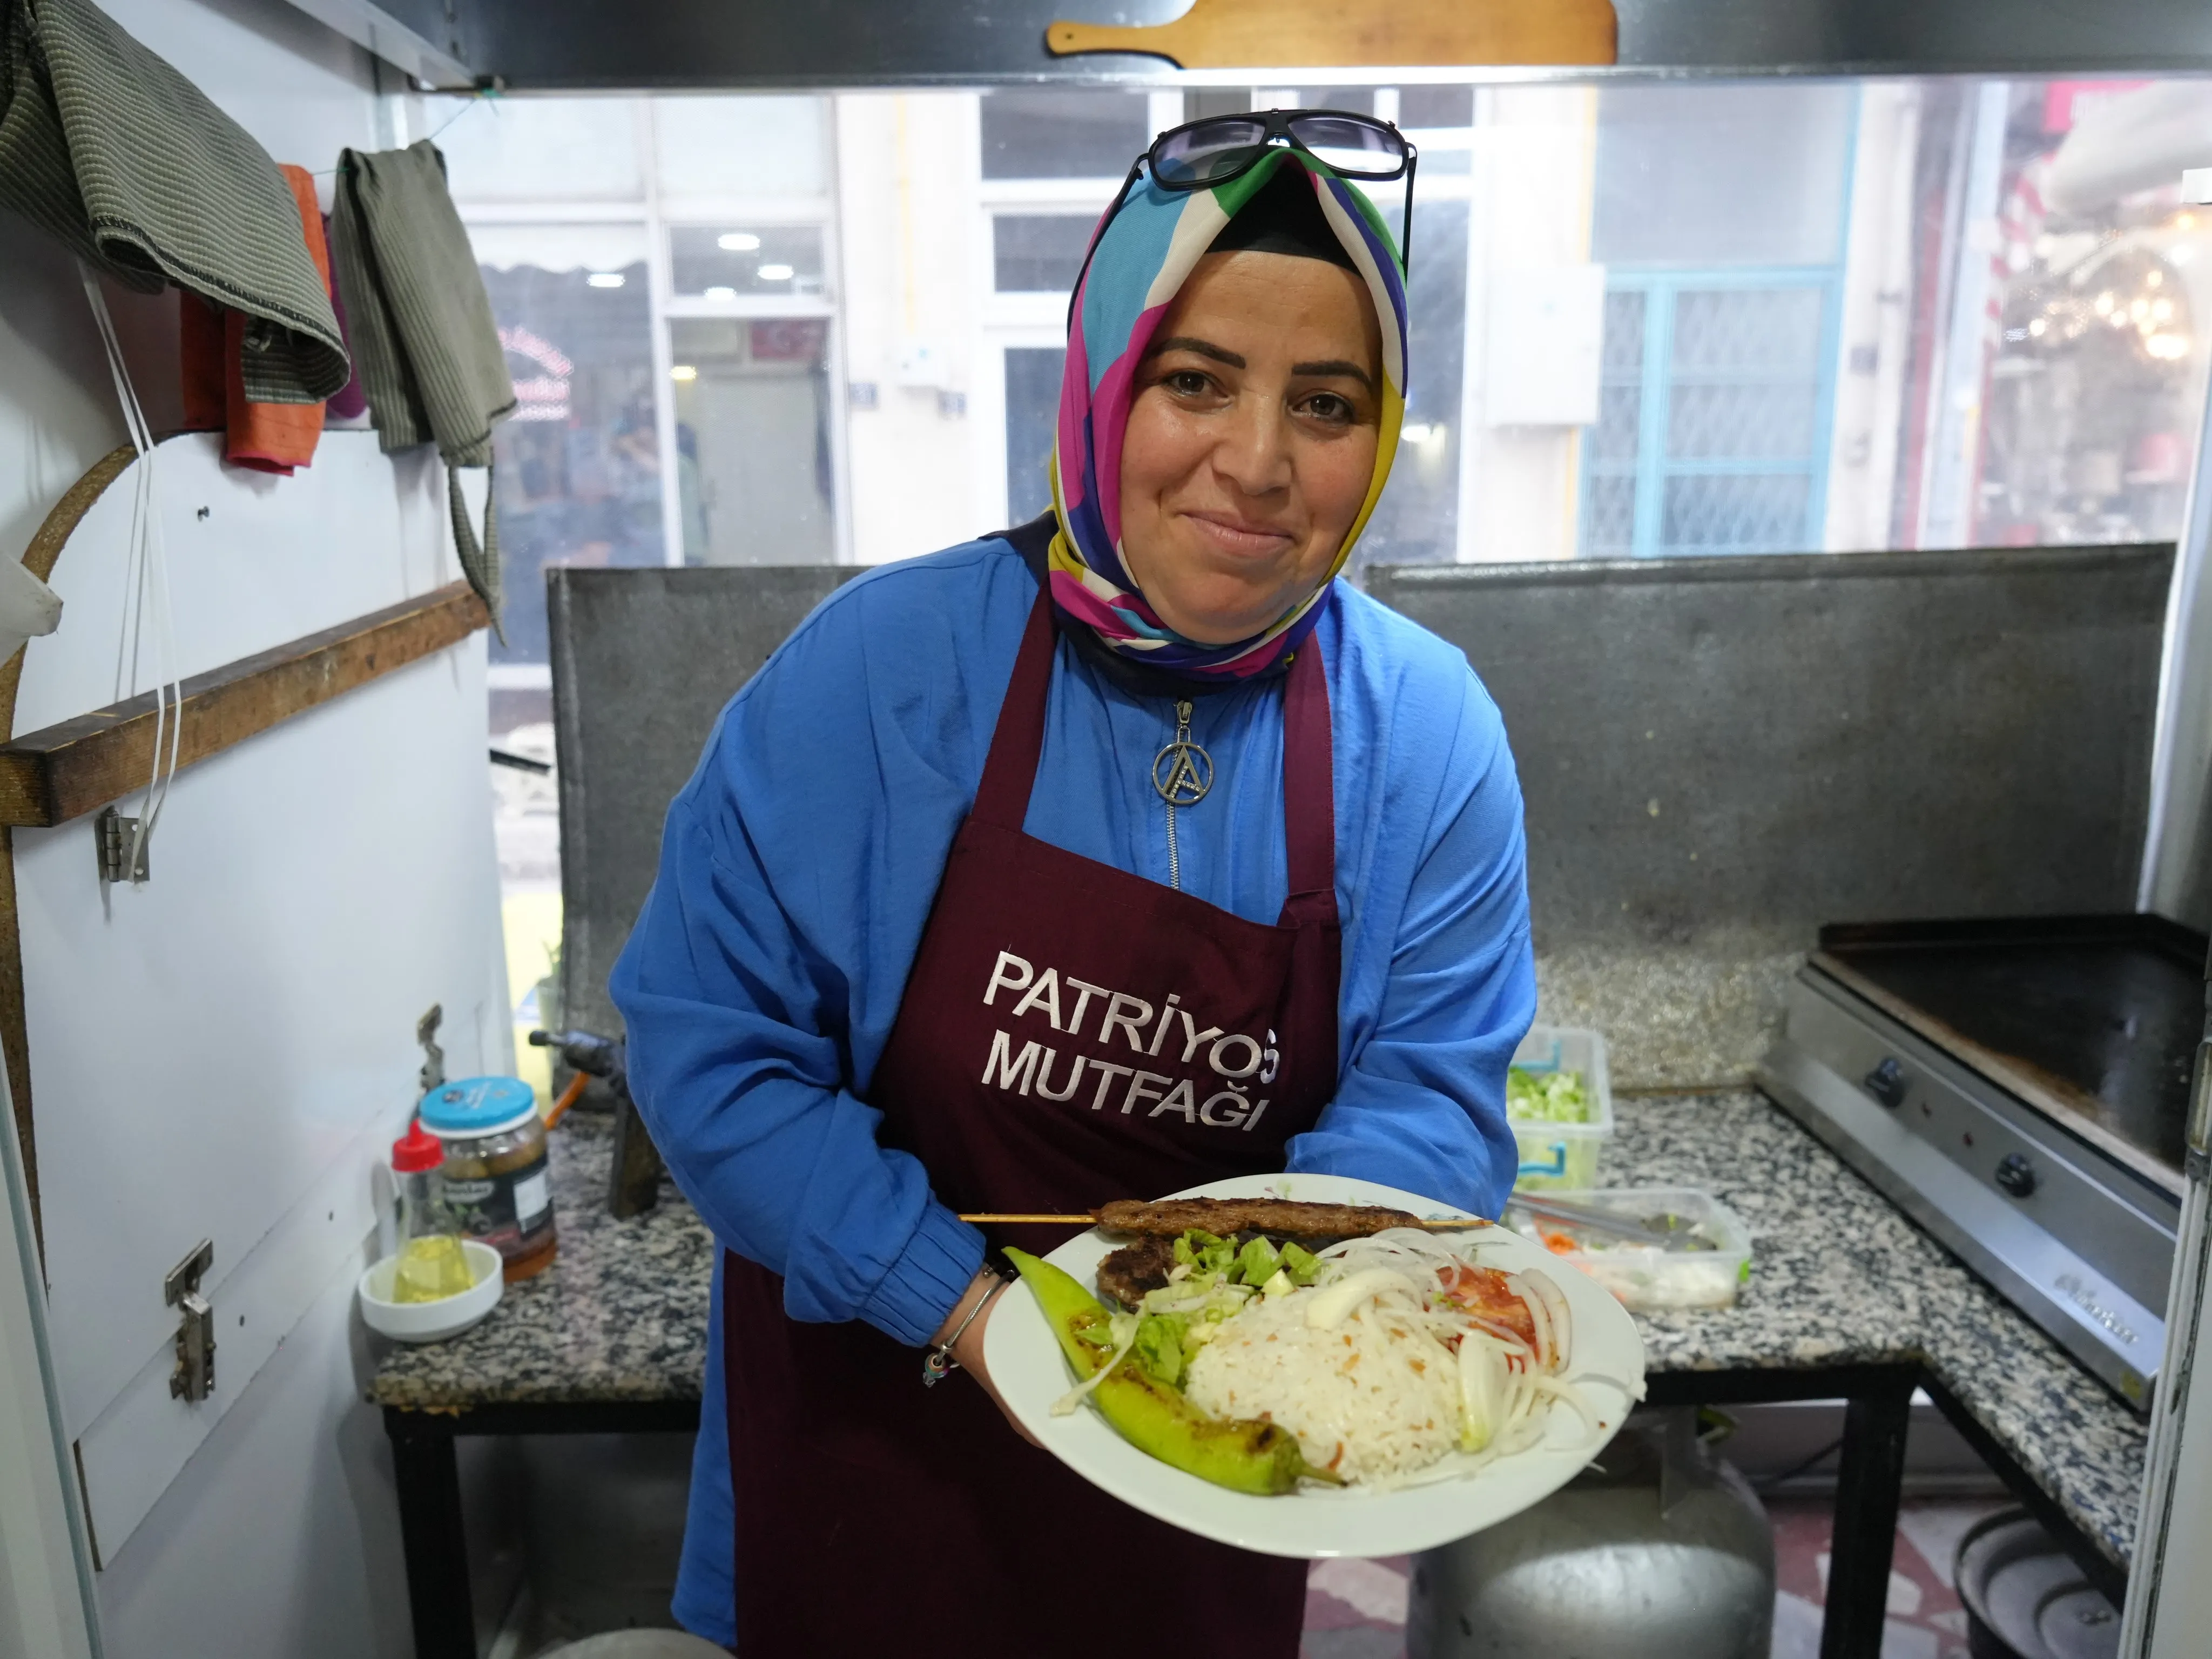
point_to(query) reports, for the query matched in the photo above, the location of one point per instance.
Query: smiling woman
(1118, 852)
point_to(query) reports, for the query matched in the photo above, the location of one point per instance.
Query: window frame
(1654, 469)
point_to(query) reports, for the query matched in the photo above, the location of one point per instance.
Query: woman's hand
(967, 1351)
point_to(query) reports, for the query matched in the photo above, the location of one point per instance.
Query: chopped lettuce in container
(1546, 1097)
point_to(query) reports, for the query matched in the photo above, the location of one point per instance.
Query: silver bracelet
(939, 1363)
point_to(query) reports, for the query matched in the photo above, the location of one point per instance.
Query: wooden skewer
(994, 1219)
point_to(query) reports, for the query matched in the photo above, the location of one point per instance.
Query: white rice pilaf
(1375, 1399)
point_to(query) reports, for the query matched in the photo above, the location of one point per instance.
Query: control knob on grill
(1886, 1082)
(2016, 1175)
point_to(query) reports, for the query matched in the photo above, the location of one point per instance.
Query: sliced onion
(1065, 1404)
(1330, 1308)
(1483, 1384)
(1561, 1318)
(1556, 1388)
(1538, 1315)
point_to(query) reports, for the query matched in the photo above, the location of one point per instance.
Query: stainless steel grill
(2021, 1089)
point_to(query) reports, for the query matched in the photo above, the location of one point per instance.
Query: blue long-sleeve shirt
(800, 863)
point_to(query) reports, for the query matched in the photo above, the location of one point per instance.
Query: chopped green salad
(1213, 1278)
(1546, 1097)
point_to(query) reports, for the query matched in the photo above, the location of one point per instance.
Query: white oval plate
(1448, 1501)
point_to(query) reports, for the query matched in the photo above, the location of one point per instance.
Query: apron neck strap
(1017, 741)
(1308, 785)
(1309, 778)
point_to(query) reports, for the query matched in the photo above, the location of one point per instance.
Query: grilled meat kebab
(1133, 1269)
(1277, 1218)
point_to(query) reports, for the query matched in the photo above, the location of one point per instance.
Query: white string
(147, 584)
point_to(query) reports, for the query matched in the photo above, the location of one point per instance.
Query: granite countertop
(621, 1315)
(1839, 1277)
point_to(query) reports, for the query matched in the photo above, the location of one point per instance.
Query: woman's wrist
(955, 1342)
(978, 1287)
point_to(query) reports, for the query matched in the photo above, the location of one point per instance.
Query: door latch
(194, 1377)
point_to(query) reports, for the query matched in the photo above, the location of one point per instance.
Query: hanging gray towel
(112, 151)
(427, 350)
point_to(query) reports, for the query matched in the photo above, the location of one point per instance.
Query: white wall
(279, 1538)
(906, 183)
(1536, 155)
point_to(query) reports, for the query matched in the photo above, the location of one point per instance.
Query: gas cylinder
(1661, 1550)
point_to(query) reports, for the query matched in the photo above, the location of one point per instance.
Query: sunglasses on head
(1202, 154)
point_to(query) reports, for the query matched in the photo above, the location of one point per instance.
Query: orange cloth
(267, 437)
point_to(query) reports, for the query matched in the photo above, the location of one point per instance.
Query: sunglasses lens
(1193, 160)
(1356, 149)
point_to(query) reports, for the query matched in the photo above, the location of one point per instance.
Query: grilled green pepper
(1261, 1458)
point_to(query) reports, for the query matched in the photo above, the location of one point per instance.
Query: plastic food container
(1645, 1278)
(1564, 1154)
(495, 1176)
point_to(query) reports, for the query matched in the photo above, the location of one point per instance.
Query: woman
(1200, 861)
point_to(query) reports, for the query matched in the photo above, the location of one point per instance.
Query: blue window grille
(1716, 403)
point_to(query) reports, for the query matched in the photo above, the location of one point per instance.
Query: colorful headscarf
(1146, 254)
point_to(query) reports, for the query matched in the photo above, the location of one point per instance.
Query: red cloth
(267, 437)
(874, 1516)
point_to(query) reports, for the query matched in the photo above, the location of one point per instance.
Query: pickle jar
(494, 1175)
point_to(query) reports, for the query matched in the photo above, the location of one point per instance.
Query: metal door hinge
(117, 836)
(194, 1377)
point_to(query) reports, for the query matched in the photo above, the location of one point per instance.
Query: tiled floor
(1357, 1609)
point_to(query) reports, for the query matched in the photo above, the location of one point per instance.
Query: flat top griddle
(2093, 1019)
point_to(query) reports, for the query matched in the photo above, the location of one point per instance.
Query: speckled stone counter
(620, 1316)
(1839, 1278)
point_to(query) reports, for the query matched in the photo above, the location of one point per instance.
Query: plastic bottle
(432, 1263)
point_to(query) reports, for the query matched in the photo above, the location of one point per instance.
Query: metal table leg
(431, 1538)
(1869, 1478)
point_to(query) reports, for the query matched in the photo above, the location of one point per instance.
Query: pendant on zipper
(1182, 772)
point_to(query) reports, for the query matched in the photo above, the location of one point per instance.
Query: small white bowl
(432, 1321)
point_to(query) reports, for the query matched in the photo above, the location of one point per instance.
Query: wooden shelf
(80, 765)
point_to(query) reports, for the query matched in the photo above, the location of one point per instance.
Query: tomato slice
(1484, 1291)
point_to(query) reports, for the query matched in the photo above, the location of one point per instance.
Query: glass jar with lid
(494, 1175)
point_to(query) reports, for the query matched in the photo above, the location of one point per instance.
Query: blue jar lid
(477, 1106)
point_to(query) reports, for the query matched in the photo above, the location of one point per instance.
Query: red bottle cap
(416, 1151)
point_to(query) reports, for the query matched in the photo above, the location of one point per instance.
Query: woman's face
(1250, 442)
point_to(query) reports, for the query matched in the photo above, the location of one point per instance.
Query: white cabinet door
(223, 1052)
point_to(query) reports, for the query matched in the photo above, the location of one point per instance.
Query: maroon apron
(1070, 1033)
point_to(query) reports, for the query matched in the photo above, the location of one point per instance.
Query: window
(578, 466)
(721, 262)
(749, 146)
(1720, 223)
(1436, 106)
(529, 149)
(1063, 133)
(1712, 434)
(753, 455)
(1032, 410)
(1718, 175)
(1416, 520)
(1038, 253)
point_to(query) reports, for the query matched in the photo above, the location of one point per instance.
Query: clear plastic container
(1561, 1155)
(1648, 1280)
